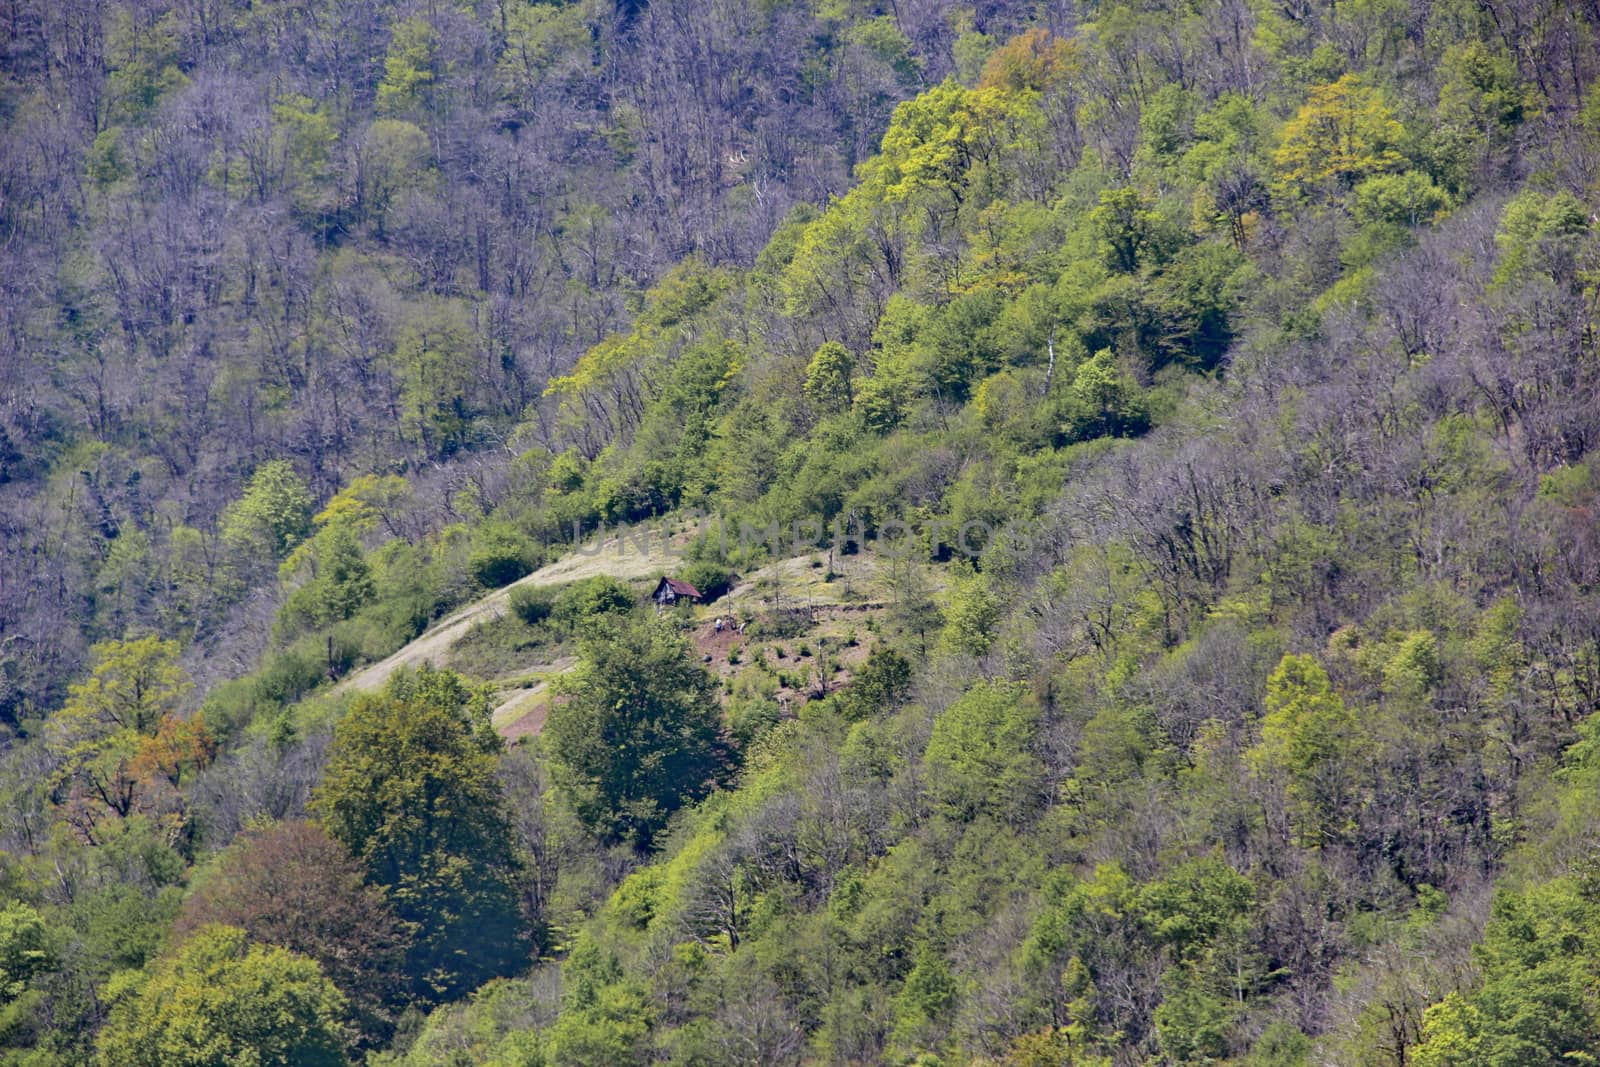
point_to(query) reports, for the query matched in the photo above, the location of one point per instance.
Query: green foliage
(1104, 401)
(609, 1029)
(436, 354)
(1415, 669)
(501, 554)
(273, 516)
(495, 1027)
(927, 999)
(409, 70)
(636, 733)
(221, 1000)
(133, 685)
(711, 578)
(1126, 226)
(1481, 102)
(25, 950)
(972, 616)
(1345, 132)
(828, 375)
(980, 755)
(1540, 962)
(590, 599)
(1195, 906)
(882, 684)
(1260, 230)
(341, 580)
(118, 744)
(532, 604)
(142, 62)
(1408, 199)
(1309, 737)
(1193, 1023)
(1539, 233)
(397, 155)
(410, 790)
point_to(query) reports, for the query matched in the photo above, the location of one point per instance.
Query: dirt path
(802, 582)
(521, 711)
(623, 560)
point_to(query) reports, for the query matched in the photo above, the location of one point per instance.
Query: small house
(670, 590)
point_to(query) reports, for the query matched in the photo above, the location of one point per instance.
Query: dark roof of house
(680, 588)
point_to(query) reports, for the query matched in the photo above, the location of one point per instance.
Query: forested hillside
(1152, 581)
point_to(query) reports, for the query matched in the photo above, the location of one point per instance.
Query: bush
(232, 706)
(711, 578)
(501, 554)
(749, 719)
(583, 600)
(532, 604)
(290, 675)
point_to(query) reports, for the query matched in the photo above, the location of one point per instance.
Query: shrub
(501, 554)
(711, 578)
(585, 599)
(533, 604)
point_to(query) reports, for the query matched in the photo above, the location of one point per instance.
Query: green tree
(1309, 737)
(881, 685)
(142, 57)
(1540, 959)
(635, 733)
(118, 737)
(25, 951)
(1408, 199)
(980, 755)
(973, 614)
(587, 599)
(501, 554)
(828, 375)
(1104, 400)
(1540, 233)
(410, 790)
(219, 1000)
(410, 68)
(1126, 227)
(435, 356)
(1345, 132)
(927, 999)
(341, 579)
(273, 515)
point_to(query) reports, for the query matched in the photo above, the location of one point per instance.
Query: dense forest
(1136, 465)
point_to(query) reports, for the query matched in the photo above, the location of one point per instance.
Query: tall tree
(411, 791)
(118, 744)
(635, 733)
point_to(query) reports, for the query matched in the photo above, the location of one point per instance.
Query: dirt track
(619, 560)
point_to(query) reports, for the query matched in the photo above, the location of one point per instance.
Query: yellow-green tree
(223, 1000)
(828, 375)
(25, 952)
(118, 743)
(980, 755)
(435, 355)
(272, 516)
(409, 70)
(1345, 132)
(1308, 739)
